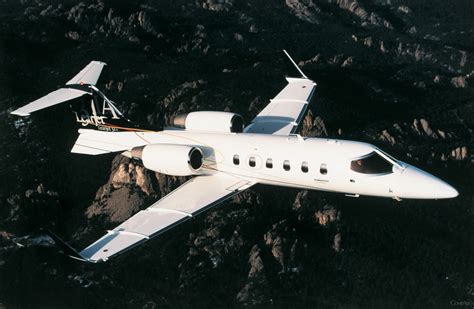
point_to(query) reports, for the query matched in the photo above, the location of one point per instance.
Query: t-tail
(99, 113)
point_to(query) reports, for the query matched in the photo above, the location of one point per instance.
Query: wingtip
(66, 248)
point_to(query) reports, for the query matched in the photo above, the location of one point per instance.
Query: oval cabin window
(323, 169)
(304, 167)
(236, 160)
(252, 162)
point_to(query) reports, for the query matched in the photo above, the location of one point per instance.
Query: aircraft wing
(190, 199)
(285, 111)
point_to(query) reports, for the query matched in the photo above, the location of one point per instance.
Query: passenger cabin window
(304, 167)
(373, 163)
(252, 162)
(323, 169)
(236, 160)
(286, 165)
(269, 163)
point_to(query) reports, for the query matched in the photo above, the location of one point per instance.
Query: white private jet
(227, 158)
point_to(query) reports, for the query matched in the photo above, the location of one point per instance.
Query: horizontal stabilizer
(89, 75)
(94, 142)
(53, 98)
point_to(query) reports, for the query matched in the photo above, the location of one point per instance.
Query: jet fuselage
(349, 167)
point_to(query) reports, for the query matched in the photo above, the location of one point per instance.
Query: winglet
(66, 248)
(88, 75)
(294, 63)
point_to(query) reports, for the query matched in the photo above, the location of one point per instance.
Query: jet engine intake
(176, 160)
(222, 122)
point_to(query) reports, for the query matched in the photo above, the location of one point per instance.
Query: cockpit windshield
(373, 163)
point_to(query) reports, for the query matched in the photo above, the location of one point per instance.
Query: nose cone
(419, 184)
(445, 191)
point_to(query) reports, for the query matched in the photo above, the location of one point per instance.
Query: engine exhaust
(195, 158)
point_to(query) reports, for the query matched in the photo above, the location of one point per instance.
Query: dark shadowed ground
(397, 74)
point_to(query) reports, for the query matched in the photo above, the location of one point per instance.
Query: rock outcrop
(313, 127)
(304, 10)
(125, 193)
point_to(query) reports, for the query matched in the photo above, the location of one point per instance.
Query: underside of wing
(284, 112)
(193, 197)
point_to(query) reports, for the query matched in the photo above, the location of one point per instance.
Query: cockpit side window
(373, 163)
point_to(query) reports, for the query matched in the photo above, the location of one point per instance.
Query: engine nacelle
(222, 122)
(176, 160)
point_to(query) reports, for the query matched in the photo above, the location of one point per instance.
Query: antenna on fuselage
(294, 63)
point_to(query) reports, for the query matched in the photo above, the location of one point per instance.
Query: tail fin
(101, 114)
(94, 113)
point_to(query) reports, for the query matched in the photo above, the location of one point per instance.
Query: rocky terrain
(398, 74)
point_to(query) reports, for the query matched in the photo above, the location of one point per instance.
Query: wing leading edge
(285, 111)
(53, 98)
(187, 201)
